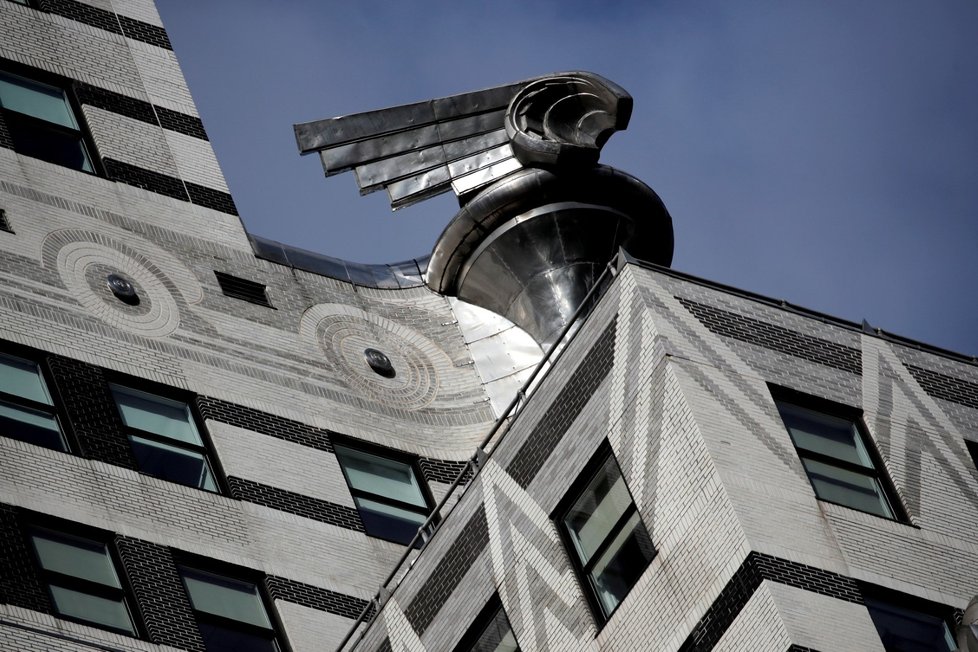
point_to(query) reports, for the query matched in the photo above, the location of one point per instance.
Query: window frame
(65, 530)
(169, 394)
(231, 573)
(480, 625)
(583, 570)
(396, 456)
(66, 86)
(54, 410)
(878, 472)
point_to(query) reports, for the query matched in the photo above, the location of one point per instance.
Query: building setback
(212, 441)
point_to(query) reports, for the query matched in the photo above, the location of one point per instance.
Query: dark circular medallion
(379, 362)
(122, 289)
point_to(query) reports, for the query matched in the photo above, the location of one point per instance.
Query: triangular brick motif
(529, 567)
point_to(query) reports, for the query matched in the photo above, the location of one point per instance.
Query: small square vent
(241, 288)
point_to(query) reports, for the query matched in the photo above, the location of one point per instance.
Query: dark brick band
(83, 13)
(139, 110)
(565, 408)
(293, 503)
(444, 471)
(449, 572)
(5, 140)
(107, 20)
(169, 186)
(157, 182)
(777, 338)
(161, 599)
(115, 102)
(754, 570)
(946, 387)
(264, 423)
(183, 123)
(210, 198)
(19, 584)
(137, 30)
(94, 418)
(314, 597)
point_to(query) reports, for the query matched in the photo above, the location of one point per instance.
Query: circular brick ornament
(408, 380)
(86, 261)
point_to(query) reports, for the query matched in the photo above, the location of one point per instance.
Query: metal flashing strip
(391, 276)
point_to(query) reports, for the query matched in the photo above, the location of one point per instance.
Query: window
(82, 580)
(972, 450)
(491, 631)
(26, 410)
(833, 450)
(164, 438)
(391, 501)
(230, 613)
(906, 629)
(43, 122)
(602, 528)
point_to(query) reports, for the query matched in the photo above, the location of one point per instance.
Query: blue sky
(821, 152)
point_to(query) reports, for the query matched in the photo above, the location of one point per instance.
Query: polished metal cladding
(539, 219)
(467, 141)
(564, 120)
(529, 246)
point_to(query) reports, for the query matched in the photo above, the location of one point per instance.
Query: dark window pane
(79, 558)
(156, 414)
(847, 488)
(222, 639)
(171, 463)
(824, 433)
(601, 505)
(107, 612)
(389, 522)
(497, 636)
(622, 563)
(58, 146)
(32, 98)
(32, 426)
(837, 458)
(610, 544)
(225, 597)
(381, 476)
(22, 378)
(905, 630)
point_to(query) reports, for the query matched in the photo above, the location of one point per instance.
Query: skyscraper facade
(213, 441)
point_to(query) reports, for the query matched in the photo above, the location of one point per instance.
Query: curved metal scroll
(564, 120)
(467, 141)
